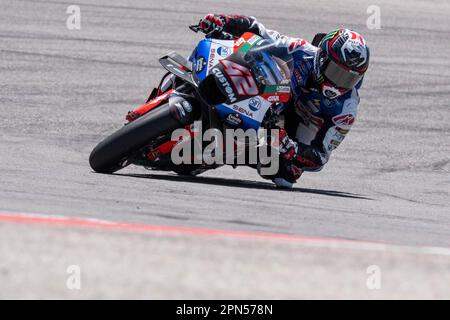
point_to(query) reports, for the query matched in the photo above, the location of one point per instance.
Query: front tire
(112, 153)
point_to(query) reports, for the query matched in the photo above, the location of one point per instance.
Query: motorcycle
(224, 84)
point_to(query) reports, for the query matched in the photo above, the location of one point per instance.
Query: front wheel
(112, 153)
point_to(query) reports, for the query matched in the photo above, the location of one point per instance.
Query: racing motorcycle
(232, 83)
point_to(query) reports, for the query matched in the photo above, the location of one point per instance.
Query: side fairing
(244, 114)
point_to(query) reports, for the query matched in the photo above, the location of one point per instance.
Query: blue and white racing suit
(317, 124)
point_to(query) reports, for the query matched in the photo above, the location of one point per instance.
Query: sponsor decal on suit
(344, 120)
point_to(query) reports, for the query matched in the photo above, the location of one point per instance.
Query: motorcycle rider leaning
(325, 82)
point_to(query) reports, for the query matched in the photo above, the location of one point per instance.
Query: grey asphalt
(123, 265)
(62, 91)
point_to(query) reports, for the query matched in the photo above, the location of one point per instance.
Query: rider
(325, 83)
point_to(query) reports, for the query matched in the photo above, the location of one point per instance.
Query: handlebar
(195, 27)
(225, 35)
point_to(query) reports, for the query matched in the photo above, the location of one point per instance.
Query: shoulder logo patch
(344, 120)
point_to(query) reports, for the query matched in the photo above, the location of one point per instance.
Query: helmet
(340, 62)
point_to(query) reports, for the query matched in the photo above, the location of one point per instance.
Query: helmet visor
(341, 77)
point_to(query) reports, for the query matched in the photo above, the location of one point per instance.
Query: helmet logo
(354, 50)
(354, 58)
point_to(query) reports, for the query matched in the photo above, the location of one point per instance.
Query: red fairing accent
(162, 149)
(276, 97)
(242, 40)
(166, 147)
(139, 112)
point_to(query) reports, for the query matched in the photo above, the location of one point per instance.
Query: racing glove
(212, 24)
(230, 26)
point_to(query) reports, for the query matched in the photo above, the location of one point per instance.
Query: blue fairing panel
(224, 111)
(201, 58)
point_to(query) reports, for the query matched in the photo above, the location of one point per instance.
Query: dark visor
(341, 77)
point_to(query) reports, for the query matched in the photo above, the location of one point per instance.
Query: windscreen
(268, 68)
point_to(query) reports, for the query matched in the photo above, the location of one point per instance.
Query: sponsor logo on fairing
(224, 51)
(243, 110)
(284, 89)
(200, 64)
(181, 112)
(182, 109)
(187, 106)
(234, 119)
(240, 42)
(212, 57)
(254, 104)
(253, 39)
(273, 99)
(225, 84)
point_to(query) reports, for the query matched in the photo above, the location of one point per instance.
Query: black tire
(111, 154)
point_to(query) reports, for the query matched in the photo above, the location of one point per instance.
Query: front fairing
(272, 74)
(208, 53)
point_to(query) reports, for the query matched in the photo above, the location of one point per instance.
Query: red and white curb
(73, 222)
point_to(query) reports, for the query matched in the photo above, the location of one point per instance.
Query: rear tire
(112, 153)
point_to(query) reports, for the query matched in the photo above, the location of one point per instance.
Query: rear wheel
(112, 153)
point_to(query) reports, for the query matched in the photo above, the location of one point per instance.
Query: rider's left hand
(211, 23)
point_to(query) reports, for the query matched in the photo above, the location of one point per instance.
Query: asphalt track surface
(62, 91)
